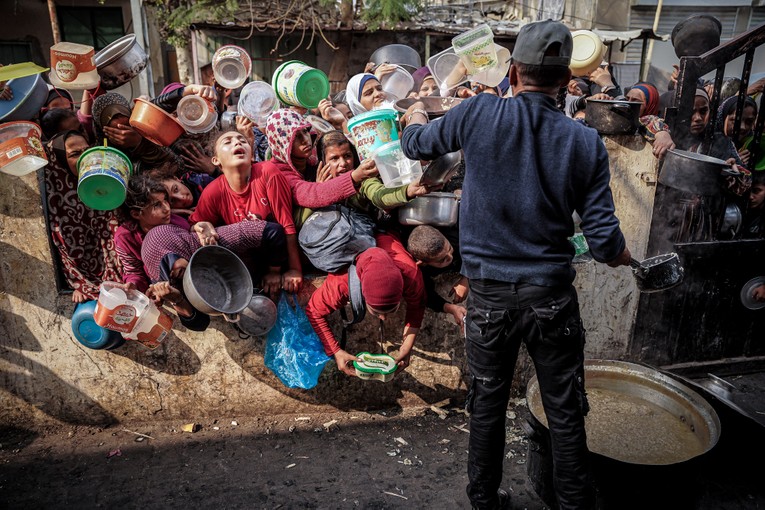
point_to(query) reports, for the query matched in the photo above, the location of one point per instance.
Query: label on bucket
(69, 65)
(371, 134)
(122, 318)
(105, 163)
(151, 333)
(18, 147)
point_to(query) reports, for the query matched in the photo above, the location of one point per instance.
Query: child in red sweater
(387, 274)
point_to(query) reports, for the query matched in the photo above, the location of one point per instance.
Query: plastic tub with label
(21, 151)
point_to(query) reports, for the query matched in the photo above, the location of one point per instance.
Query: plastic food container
(119, 310)
(587, 53)
(397, 84)
(494, 76)
(443, 68)
(155, 124)
(231, 66)
(90, 334)
(257, 101)
(29, 95)
(476, 49)
(196, 114)
(151, 327)
(297, 84)
(380, 367)
(373, 129)
(73, 66)
(103, 176)
(395, 168)
(21, 151)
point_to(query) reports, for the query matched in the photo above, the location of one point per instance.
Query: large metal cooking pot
(647, 434)
(29, 95)
(691, 172)
(437, 209)
(216, 282)
(658, 273)
(613, 117)
(120, 62)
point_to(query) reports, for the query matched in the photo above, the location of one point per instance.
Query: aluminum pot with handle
(691, 172)
(658, 273)
(120, 62)
(613, 117)
(217, 282)
(258, 317)
(437, 209)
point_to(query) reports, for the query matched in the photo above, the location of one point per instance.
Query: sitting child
(435, 255)
(387, 274)
(753, 226)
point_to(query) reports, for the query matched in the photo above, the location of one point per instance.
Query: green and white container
(297, 84)
(103, 176)
(476, 49)
(381, 367)
(372, 130)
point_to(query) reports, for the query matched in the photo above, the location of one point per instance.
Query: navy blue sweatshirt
(528, 168)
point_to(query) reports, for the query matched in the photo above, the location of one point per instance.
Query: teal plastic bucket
(373, 129)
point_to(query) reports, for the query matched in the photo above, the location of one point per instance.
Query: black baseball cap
(535, 39)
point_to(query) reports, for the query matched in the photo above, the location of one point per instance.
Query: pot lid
(115, 50)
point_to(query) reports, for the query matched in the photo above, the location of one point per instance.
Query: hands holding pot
(123, 136)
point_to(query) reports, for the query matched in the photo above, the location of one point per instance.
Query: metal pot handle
(620, 108)
(231, 317)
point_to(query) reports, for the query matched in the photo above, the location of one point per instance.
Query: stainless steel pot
(441, 169)
(437, 209)
(400, 54)
(228, 121)
(258, 317)
(658, 273)
(120, 62)
(731, 222)
(691, 172)
(217, 282)
(612, 117)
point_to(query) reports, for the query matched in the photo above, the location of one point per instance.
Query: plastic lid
(20, 70)
(312, 87)
(101, 192)
(386, 149)
(587, 53)
(257, 101)
(472, 36)
(381, 114)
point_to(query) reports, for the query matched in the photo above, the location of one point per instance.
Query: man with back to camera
(528, 168)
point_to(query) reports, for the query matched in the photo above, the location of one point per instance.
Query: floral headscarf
(281, 128)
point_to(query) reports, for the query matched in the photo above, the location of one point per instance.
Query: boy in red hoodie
(387, 274)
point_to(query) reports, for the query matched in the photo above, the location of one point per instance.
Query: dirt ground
(414, 458)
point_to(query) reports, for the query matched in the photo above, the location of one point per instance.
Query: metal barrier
(693, 68)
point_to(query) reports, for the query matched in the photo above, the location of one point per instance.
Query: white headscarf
(353, 92)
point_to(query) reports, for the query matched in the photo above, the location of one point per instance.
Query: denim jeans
(500, 316)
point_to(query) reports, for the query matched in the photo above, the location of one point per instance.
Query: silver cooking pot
(613, 117)
(658, 273)
(217, 282)
(120, 62)
(258, 317)
(437, 209)
(691, 172)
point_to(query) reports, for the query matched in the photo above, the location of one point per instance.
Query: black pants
(500, 316)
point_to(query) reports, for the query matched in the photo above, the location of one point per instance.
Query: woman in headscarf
(111, 117)
(653, 128)
(364, 93)
(726, 119)
(83, 237)
(424, 83)
(289, 136)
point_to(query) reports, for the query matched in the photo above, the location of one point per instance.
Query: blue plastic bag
(293, 349)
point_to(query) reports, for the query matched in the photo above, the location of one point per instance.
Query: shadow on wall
(172, 357)
(61, 400)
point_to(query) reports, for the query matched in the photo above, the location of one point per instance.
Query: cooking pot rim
(700, 158)
(115, 50)
(222, 250)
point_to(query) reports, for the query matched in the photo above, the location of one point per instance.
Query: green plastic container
(103, 176)
(298, 84)
(373, 129)
(381, 367)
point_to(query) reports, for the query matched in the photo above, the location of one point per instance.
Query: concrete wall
(45, 374)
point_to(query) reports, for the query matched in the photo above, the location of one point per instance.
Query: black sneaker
(503, 500)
